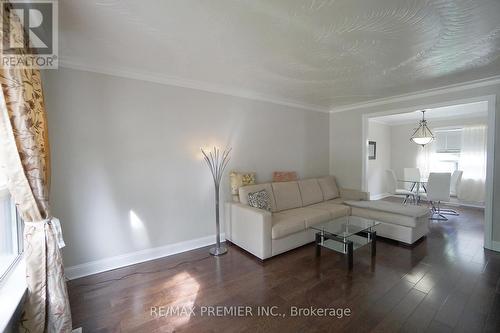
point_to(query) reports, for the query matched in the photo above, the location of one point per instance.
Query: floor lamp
(217, 162)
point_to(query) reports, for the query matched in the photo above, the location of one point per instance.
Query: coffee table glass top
(346, 226)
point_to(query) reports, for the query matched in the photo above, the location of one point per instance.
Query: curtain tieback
(53, 221)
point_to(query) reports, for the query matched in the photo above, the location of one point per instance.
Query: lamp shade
(422, 141)
(422, 135)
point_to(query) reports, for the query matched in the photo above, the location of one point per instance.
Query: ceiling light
(422, 134)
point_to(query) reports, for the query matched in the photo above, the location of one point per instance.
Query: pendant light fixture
(422, 134)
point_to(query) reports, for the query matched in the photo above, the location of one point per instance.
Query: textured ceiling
(317, 53)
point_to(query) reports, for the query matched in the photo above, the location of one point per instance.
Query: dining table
(417, 186)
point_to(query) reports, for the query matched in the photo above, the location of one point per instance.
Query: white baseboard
(102, 265)
(470, 205)
(379, 196)
(495, 246)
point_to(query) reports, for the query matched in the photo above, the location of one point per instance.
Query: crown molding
(378, 121)
(420, 94)
(478, 116)
(252, 95)
(191, 84)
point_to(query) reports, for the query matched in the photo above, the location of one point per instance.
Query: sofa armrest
(249, 228)
(350, 194)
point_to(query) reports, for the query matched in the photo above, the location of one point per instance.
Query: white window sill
(12, 290)
(4, 192)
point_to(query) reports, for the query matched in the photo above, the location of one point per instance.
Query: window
(10, 229)
(448, 147)
(448, 141)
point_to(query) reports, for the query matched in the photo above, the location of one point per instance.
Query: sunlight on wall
(139, 233)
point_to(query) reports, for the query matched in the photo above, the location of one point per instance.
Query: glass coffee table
(346, 234)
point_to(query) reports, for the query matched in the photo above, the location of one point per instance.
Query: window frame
(13, 284)
(448, 155)
(445, 131)
(17, 234)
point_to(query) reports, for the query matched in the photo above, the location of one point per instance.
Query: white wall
(346, 136)
(375, 170)
(405, 152)
(120, 145)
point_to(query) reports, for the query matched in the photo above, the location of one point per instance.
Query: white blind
(448, 141)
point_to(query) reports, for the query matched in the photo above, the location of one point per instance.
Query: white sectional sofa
(297, 205)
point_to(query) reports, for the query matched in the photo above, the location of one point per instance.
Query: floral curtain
(25, 148)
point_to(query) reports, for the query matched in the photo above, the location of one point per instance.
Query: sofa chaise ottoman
(405, 224)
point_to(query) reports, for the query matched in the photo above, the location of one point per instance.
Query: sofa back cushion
(287, 195)
(310, 191)
(329, 187)
(245, 190)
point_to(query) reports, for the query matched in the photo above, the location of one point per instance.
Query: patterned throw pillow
(239, 179)
(284, 176)
(260, 199)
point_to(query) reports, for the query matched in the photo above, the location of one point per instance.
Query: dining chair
(392, 187)
(456, 180)
(438, 191)
(412, 175)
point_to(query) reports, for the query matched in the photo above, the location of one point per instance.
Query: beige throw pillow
(284, 176)
(240, 179)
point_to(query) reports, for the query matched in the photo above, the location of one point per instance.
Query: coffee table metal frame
(348, 245)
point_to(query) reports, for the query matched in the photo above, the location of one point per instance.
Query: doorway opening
(463, 144)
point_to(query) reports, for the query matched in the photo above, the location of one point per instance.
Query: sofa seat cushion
(284, 225)
(310, 191)
(309, 215)
(390, 207)
(338, 201)
(287, 195)
(335, 210)
(390, 212)
(387, 217)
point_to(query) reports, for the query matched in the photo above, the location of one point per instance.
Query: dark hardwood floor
(447, 282)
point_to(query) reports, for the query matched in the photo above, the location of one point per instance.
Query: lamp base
(218, 251)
